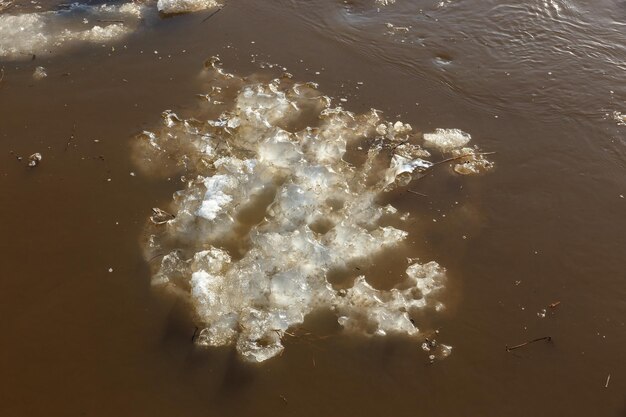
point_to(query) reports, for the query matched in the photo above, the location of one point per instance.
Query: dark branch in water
(456, 158)
(400, 144)
(546, 338)
(156, 256)
(211, 15)
(110, 21)
(193, 336)
(416, 193)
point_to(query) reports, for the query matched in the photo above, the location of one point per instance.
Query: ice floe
(23, 35)
(27, 34)
(264, 164)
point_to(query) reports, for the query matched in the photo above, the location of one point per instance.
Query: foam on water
(250, 280)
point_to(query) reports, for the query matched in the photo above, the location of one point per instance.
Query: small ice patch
(40, 73)
(620, 118)
(447, 139)
(185, 6)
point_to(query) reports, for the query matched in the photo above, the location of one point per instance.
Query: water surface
(537, 82)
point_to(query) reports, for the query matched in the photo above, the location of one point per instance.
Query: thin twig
(546, 338)
(211, 15)
(193, 336)
(416, 193)
(110, 21)
(399, 144)
(156, 256)
(456, 158)
(608, 378)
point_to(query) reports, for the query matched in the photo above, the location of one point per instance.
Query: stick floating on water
(546, 338)
(211, 15)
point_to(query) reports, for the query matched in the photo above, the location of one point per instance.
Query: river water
(534, 247)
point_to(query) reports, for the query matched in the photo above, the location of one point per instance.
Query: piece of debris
(608, 379)
(160, 216)
(40, 73)
(546, 338)
(554, 304)
(416, 193)
(282, 397)
(34, 159)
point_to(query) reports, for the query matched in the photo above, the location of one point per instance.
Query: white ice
(27, 34)
(250, 298)
(447, 139)
(185, 6)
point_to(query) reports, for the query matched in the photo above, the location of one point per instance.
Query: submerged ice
(249, 281)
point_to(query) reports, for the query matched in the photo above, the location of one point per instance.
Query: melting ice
(185, 6)
(250, 282)
(36, 33)
(25, 34)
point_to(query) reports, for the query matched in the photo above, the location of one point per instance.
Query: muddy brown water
(547, 225)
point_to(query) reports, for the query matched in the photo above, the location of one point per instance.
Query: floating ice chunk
(384, 312)
(34, 159)
(447, 139)
(620, 118)
(185, 6)
(472, 162)
(401, 165)
(427, 277)
(97, 33)
(131, 9)
(40, 73)
(23, 35)
(290, 210)
(387, 311)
